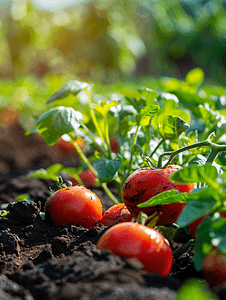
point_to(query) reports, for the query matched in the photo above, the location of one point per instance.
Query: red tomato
(88, 178)
(65, 147)
(145, 183)
(214, 266)
(118, 213)
(194, 225)
(114, 144)
(74, 205)
(134, 240)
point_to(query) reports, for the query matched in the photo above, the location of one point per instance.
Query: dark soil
(39, 260)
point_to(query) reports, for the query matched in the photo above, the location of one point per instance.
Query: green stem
(93, 117)
(210, 129)
(172, 154)
(86, 161)
(216, 149)
(156, 148)
(87, 131)
(213, 154)
(109, 193)
(132, 151)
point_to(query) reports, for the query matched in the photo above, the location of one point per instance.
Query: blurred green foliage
(107, 40)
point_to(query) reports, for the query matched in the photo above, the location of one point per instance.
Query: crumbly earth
(39, 260)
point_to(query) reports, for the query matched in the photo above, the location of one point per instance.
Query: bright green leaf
(194, 174)
(58, 121)
(166, 197)
(195, 289)
(172, 126)
(50, 173)
(72, 87)
(195, 76)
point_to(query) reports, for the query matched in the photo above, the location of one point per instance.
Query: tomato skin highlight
(214, 267)
(145, 183)
(74, 205)
(117, 213)
(134, 240)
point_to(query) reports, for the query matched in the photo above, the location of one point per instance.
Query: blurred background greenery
(105, 41)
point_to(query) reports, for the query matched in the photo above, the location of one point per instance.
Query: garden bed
(39, 260)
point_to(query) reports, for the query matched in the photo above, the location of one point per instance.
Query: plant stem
(93, 117)
(157, 146)
(109, 193)
(132, 151)
(86, 161)
(213, 154)
(87, 131)
(172, 154)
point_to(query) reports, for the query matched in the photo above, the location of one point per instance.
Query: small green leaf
(104, 107)
(193, 210)
(195, 76)
(166, 197)
(58, 121)
(195, 289)
(51, 172)
(192, 174)
(72, 87)
(147, 113)
(171, 126)
(106, 169)
(22, 197)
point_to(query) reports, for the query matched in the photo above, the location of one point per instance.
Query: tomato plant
(134, 240)
(145, 183)
(117, 213)
(74, 205)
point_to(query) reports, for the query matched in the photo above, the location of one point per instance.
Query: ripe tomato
(145, 183)
(134, 240)
(74, 205)
(118, 213)
(88, 178)
(214, 266)
(114, 144)
(66, 147)
(194, 225)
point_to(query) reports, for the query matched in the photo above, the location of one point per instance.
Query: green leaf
(203, 242)
(22, 197)
(72, 87)
(104, 107)
(217, 233)
(147, 113)
(172, 126)
(166, 197)
(199, 160)
(193, 210)
(50, 173)
(106, 169)
(194, 174)
(149, 95)
(195, 76)
(58, 121)
(195, 289)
